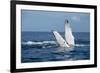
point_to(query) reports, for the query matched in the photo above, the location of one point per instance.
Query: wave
(46, 44)
(38, 43)
(81, 45)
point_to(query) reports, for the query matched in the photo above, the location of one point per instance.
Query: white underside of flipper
(59, 39)
(68, 35)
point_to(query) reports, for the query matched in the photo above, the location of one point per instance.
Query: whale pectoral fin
(59, 39)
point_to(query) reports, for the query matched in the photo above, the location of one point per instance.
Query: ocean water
(42, 47)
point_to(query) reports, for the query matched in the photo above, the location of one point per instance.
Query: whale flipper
(68, 34)
(59, 39)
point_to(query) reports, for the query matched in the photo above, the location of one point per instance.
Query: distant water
(42, 47)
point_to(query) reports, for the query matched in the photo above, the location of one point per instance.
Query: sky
(46, 21)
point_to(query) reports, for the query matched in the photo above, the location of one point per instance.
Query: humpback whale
(69, 38)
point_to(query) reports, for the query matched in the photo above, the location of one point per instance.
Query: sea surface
(42, 47)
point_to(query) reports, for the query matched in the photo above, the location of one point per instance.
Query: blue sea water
(42, 47)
